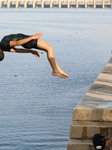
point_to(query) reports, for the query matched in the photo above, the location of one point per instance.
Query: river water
(35, 107)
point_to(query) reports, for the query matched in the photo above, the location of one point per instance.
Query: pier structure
(93, 114)
(56, 3)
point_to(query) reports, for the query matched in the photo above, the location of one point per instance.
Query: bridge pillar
(8, 4)
(77, 3)
(17, 3)
(42, 6)
(34, 3)
(103, 4)
(1, 4)
(51, 4)
(94, 3)
(68, 5)
(85, 3)
(59, 4)
(111, 3)
(25, 4)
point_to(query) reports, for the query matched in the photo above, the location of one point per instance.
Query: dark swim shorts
(5, 42)
(30, 44)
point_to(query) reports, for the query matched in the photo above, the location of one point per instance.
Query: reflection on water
(36, 108)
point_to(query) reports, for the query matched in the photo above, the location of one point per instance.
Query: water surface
(35, 107)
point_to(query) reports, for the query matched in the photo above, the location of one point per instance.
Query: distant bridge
(55, 3)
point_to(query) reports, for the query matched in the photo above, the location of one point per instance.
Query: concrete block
(87, 129)
(75, 144)
(93, 114)
(96, 105)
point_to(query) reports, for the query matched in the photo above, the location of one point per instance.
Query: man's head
(1, 55)
(99, 142)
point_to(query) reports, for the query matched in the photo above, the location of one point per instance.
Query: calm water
(35, 107)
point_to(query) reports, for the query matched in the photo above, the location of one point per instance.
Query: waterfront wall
(55, 3)
(93, 114)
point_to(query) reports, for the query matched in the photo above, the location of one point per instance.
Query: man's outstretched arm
(23, 41)
(25, 51)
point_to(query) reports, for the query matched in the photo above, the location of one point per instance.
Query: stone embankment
(93, 114)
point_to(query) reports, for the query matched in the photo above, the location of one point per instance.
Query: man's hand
(37, 54)
(37, 36)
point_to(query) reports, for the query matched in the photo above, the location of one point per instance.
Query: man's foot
(59, 75)
(61, 71)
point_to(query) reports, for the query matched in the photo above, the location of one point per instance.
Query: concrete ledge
(86, 129)
(93, 114)
(96, 105)
(75, 144)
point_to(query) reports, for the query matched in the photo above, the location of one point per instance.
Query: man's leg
(49, 50)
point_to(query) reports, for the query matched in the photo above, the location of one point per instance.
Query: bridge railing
(56, 3)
